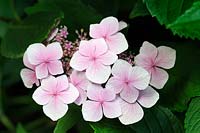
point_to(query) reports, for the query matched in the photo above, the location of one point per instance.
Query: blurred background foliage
(175, 23)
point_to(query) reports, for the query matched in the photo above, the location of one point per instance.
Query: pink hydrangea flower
(109, 30)
(94, 57)
(79, 80)
(102, 101)
(128, 80)
(153, 59)
(28, 74)
(45, 59)
(55, 94)
(133, 112)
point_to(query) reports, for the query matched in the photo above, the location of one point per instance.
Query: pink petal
(117, 43)
(145, 62)
(79, 80)
(98, 73)
(129, 94)
(41, 71)
(121, 68)
(122, 25)
(92, 111)
(79, 62)
(29, 78)
(82, 97)
(148, 50)
(54, 51)
(112, 109)
(41, 97)
(55, 67)
(109, 25)
(166, 57)
(116, 84)
(86, 48)
(100, 46)
(108, 95)
(70, 95)
(131, 113)
(55, 109)
(148, 97)
(49, 84)
(62, 83)
(159, 78)
(140, 77)
(94, 92)
(26, 62)
(36, 53)
(108, 58)
(96, 31)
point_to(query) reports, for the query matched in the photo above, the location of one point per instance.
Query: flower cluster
(101, 76)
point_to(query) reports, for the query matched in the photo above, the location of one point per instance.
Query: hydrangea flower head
(55, 94)
(102, 101)
(153, 60)
(109, 30)
(45, 59)
(128, 80)
(94, 57)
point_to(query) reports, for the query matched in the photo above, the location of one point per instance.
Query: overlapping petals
(109, 30)
(55, 94)
(153, 59)
(45, 59)
(79, 80)
(94, 57)
(101, 102)
(133, 112)
(28, 74)
(128, 80)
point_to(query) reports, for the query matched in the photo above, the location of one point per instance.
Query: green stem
(7, 123)
(12, 4)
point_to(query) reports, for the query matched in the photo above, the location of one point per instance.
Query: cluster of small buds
(127, 56)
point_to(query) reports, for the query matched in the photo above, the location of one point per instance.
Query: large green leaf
(69, 120)
(184, 80)
(158, 120)
(181, 16)
(192, 119)
(34, 28)
(188, 24)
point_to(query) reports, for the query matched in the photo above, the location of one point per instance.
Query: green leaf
(192, 118)
(76, 14)
(69, 120)
(180, 16)
(3, 27)
(166, 11)
(156, 120)
(139, 9)
(7, 9)
(184, 80)
(110, 126)
(34, 28)
(20, 129)
(188, 24)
